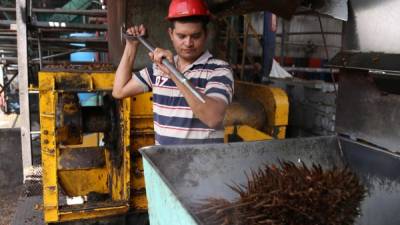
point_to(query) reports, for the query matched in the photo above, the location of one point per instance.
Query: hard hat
(186, 8)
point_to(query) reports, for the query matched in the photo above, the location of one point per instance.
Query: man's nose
(189, 42)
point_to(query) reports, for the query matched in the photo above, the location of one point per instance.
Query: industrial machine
(91, 152)
(72, 164)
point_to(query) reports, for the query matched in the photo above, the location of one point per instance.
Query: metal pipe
(181, 78)
(63, 40)
(326, 52)
(282, 60)
(310, 70)
(6, 9)
(57, 55)
(40, 50)
(72, 12)
(309, 33)
(63, 25)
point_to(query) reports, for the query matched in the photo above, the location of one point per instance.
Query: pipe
(72, 12)
(63, 25)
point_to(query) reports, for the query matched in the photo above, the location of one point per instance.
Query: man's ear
(170, 31)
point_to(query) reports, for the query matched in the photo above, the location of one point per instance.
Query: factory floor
(8, 204)
(9, 195)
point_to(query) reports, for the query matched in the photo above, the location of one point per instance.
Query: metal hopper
(177, 177)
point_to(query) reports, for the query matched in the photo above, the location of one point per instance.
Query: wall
(312, 107)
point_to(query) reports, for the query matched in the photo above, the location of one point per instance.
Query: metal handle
(167, 64)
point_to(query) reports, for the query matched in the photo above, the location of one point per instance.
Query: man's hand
(135, 31)
(158, 55)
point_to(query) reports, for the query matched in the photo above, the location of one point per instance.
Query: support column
(23, 84)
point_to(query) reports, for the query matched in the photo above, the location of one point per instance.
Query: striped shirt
(174, 121)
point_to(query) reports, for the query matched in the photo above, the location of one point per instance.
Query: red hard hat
(186, 8)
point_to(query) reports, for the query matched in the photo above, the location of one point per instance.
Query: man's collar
(201, 60)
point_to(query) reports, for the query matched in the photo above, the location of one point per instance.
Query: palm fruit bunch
(289, 195)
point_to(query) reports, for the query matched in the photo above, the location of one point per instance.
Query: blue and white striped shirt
(174, 121)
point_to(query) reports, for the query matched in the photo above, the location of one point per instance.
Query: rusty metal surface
(367, 61)
(246, 112)
(95, 119)
(81, 158)
(81, 68)
(69, 122)
(365, 112)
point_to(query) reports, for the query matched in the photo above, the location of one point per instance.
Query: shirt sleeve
(220, 84)
(144, 78)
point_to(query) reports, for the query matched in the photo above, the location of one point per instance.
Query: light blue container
(178, 177)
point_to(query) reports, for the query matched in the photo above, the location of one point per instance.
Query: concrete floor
(9, 193)
(8, 204)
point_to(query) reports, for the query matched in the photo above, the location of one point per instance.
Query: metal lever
(166, 63)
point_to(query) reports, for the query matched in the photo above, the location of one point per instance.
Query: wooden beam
(22, 43)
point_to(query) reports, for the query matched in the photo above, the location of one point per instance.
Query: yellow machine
(73, 167)
(92, 152)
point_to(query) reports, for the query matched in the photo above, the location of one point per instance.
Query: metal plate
(81, 158)
(373, 26)
(367, 113)
(367, 61)
(379, 171)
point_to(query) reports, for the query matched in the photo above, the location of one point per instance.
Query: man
(179, 117)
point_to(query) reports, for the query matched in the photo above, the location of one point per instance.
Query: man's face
(189, 40)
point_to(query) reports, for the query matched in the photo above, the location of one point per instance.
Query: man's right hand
(135, 31)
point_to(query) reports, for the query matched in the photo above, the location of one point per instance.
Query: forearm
(124, 71)
(211, 112)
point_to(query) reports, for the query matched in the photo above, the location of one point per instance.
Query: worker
(180, 117)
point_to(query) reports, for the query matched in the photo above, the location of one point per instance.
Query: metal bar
(22, 44)
(244, 50)
(74, 40)
(8, 33)
(305, 44)
(7, 22)
(310, 70)
(181, 78)
(6, 9)
(63, 40)
(57, 55)
(310, 33)
(282, 56)
(326, 52)
(237, 38)
(72, 12)
(40, 49)
(63, 25)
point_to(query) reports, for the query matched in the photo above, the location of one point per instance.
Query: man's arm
(124, 85)
(212, 112)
